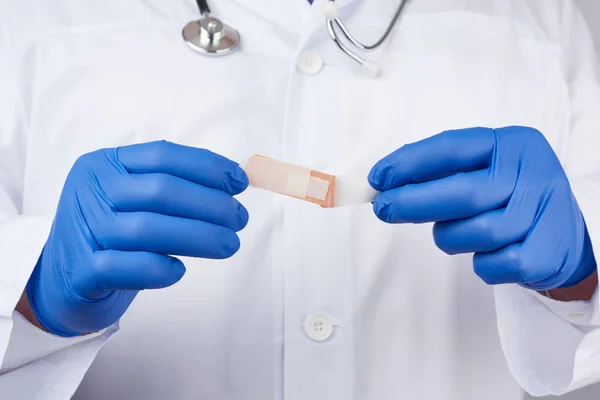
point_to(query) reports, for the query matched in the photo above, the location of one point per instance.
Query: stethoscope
(212, 37)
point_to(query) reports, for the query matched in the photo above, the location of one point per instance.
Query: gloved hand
(501, 194)
(122, 216)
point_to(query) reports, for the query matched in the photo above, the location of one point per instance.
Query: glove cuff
(40, 307)
(587, 266)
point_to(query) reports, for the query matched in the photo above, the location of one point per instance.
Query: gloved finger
(171, 195)
(197, 165)
(517, 263)
(158, 233)
(124, 270)
(548, 256)
(454, 197)
(441, 155)
(501, 266)
(485, 232)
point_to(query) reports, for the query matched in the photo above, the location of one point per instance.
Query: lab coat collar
(293, 15)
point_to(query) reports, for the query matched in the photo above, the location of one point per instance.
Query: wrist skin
(584, 280)
(580, 292)
(24, 308)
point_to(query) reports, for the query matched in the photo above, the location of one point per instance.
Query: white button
(318, 327)
(309, 62)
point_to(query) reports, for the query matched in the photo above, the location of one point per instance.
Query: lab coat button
(318, 327)
(309, 63)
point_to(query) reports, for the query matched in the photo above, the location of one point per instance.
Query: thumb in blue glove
(501, 194)
(123, 214)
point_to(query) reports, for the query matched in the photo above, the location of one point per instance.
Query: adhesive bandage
(305, 184)
(291, 180)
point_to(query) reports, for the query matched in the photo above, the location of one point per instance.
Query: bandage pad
(291, 180)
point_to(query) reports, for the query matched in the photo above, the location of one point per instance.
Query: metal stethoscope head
(210, 36)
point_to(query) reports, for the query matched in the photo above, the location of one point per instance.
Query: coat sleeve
(553, 347)
(33, 364)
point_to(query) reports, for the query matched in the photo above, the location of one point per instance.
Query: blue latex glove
(123, 214)
(501, 194)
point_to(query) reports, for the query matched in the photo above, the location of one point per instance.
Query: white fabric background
(591, 9)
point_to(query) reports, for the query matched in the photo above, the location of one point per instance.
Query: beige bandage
(291, 180)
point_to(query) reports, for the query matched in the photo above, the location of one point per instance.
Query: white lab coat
(409, 321)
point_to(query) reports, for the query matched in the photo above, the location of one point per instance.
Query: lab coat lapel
(292, 15)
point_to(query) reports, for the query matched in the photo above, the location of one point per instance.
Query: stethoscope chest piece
(210, 36)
